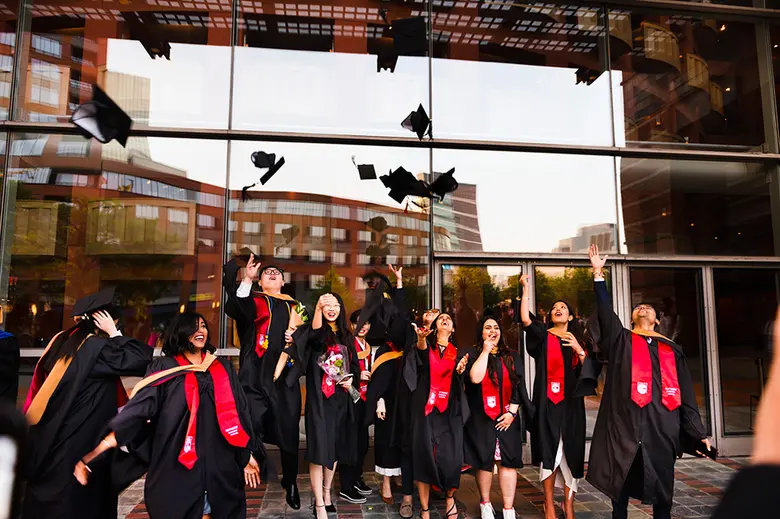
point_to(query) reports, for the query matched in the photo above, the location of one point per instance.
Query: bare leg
(452, 508)
(484, 482)
(315, 473)
(507, 479)
(387, 491)
(424, 490)
(328, 483)
(568, 499)
(549, 495)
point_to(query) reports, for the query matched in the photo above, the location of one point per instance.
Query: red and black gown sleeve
(123, 356)
(606, 330)
(752, 493)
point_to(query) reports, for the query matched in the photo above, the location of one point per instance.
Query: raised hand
(105, 322)
(326, 300)
(596, 261)
(462, 364)
(525, 281)
(423, 332)
(397, 271)
(252, 268)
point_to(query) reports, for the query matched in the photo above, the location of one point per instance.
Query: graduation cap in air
(418, 122)
(290, 233)
(402, 184)
(444, 183)
(366, 171)
(245, 253)
(386, 56)
(378, 223)
(587, 75)
(410, 36)
(263, 160)
(102, 300)
(155, 47)
(102, 119)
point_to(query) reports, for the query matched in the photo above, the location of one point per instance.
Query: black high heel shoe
(315, 507)
(331, 508)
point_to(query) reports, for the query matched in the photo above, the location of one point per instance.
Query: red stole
(642, 373)
(441, 377)
(494, 403)
(227, 415)
(364, 366)
(555, 371)
(328, 386)
(262, 324)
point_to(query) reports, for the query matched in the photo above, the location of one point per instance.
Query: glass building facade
(648, 129)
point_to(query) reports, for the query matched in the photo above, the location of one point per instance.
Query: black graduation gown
(384, 384)
(9, 367)
(436, 439)
(171, 491)
(551, 420)
(624, 431)
(328, 421)
(276, 406)
(752, 493)
(480, 434)
(72, 424)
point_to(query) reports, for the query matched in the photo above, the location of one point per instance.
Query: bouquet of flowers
(298, 317)
(335, 367)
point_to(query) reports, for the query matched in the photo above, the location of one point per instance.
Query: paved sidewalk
(698, 487)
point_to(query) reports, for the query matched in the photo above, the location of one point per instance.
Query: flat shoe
(388, 500)
(406, 510)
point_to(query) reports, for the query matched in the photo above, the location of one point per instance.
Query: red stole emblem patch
(642, 373)
(441, 377)
(496, 404)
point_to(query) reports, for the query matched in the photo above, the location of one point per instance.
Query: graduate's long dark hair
(67, 343)
(573, 326)
(342, 335)
(432, 336)
(503, 351)
(176, 337)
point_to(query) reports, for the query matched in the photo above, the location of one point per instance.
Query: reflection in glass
(72, 48)
(676, 295)
(147, 219)
(324, 226)
(526, 202)
(695, 207)
(684, 79)
(8, 21)
(575, 286)
(314, 68)
(745, 306)
(527, 72)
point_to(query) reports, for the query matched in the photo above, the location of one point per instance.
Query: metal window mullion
(717, 426)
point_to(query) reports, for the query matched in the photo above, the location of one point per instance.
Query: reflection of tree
(332, 283)
(476, 285)
(416, 296)
(574, 286)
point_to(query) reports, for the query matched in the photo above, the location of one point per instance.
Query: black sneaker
(361, 487)
(352, 495)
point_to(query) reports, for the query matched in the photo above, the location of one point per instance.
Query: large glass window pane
(575, 286)
(685, 80)
(695, 207)
(676, 294)
(8, 20)
(147, 219)
(315, 68)
(520, 72)
(324, 226)
(73, 47)
(526, 202)
(745, 306)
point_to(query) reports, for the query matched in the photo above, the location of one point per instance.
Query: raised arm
(239, 305)
(610, 327)
(525, 312)
(480, 366)
(120, 356)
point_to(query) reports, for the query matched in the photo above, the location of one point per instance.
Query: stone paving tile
(699, 485)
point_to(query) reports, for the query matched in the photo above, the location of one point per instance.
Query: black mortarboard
(290, 233)
(156, 47)
(102, 300)
(402, 183)
(263, 160)
(378, 223)
(245, 253)
(366, 171)
(587, 75)
(102, 119)
(409, 36)
(417, 122)
(386, 56)
(444, 183)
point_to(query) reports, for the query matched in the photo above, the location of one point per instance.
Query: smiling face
(271, 280)
(364, 330)
(444, 324)
(560, 313)
(643, 313)
(200, 338)
(491, 332)
(331, 311)
(429, 316)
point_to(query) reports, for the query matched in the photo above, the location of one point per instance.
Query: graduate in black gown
(648, 409)
(261, 319)
(438, 412)
(9, 367)
(558, 425)
(495, 388)
(76, 389)
(192, 410)
(326, 343)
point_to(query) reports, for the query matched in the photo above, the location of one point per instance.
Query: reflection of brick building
(602, 234)
(457, 221)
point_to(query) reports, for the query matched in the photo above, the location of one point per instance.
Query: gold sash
(41, 399)
(195, 368)
(647, 333)
(385, 357)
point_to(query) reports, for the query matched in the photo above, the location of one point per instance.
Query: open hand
(326, 300)
(252, 268)
(505, 421)
(398, 271)
(462, 364)
(596, 261)
(105, 322)
(421, 332)
(525, 281)
(252, 473)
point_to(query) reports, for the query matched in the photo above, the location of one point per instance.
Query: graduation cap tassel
(245, 192)
(406, 209)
